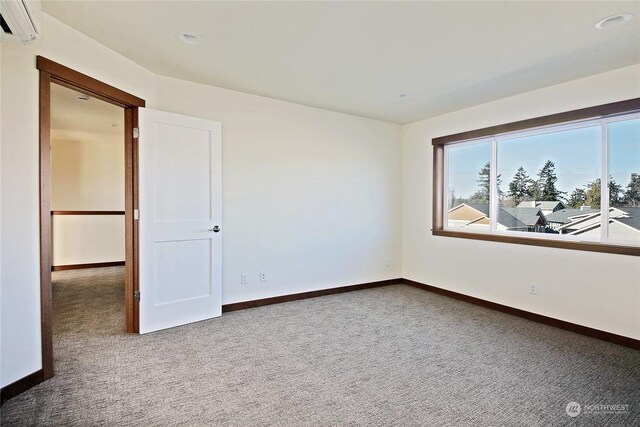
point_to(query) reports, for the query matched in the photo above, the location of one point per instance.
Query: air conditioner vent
(20, 21)
(5, 26)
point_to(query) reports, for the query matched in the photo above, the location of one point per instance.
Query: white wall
(87, 174)
(598, 290)
(310, 196)
(20, 351)
(87, 239)
(87, 171)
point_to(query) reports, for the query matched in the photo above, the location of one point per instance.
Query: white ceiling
(95, 116)
(358, 57)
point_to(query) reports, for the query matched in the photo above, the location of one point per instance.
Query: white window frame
(495, 139)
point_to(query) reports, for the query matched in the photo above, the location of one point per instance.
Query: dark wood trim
(21, 385)
(128, 192)
(46, 245)
(130, 170)
(77, 81)
(597, 111)
(304, 295)
(87, 212)
(531, 241)
(133, 278)
(90, 265)
(438, 204)
(572, 327)
(51, 72)
(550, 321)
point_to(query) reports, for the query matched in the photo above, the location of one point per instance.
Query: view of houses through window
(549, 181)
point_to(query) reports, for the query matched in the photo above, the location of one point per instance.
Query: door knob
(215, 229)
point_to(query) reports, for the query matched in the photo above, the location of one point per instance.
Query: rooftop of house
(626, 215)
(481, 207)
(633, 220)
(528, 216)
(511, 217)
(563, 215)
(546, 205)
(519, 216)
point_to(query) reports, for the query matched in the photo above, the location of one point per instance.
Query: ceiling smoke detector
(614, 20)
(189, 38)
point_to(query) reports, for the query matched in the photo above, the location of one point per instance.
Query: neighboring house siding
(464, 213)
(483, 221)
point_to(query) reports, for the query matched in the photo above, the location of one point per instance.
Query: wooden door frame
(52, 72)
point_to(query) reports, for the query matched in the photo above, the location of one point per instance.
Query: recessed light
(614, 20)
(189, 38)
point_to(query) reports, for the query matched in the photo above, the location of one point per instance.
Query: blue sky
(576, 154)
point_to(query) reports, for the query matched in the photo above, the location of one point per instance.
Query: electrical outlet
(244, 278)
(532, 289)
(263, 276)
(388, 262)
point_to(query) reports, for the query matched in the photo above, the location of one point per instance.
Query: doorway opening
(87, 220)
(56, 143)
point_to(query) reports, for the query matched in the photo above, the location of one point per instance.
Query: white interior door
(180, 194)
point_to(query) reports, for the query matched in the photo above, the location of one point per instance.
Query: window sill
(552, 243)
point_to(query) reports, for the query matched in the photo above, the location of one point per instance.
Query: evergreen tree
(577, 198)
(616, 194)
(593, 190)
(632, 194)
(545, 189)
(484, 185)
(593, 194)
(520, 187)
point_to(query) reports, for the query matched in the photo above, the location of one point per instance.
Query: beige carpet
(393, 356)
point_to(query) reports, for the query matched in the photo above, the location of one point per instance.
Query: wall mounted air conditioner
(20, 21)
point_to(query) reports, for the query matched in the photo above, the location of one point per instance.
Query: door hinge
(136, 214)
(136, 132)
(136, 296)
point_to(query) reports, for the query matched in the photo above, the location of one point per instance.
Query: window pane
(550, 183)
(468, 186)
(624, 181)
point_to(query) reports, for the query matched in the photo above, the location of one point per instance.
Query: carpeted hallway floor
(392, 356)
